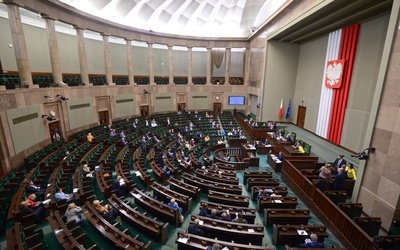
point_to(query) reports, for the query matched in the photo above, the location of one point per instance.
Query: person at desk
(73, 213)
(287, 137)
(105, 211)
(325, 172)
(281, 156)
(165, 171)
(195, 229)
(203, 211)
(215, 246)
(175, 205)
(31, 188)
(239, 218)
(39, 211)
(90, 137)
(60, 195)
(312, 242)
(351, 172)
(225, 216)
(340, 177)
(296, 144)
(301, 149)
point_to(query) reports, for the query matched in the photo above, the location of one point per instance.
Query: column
(53, 49)
(246, 73)
(131, 78)
(209, 66)
(171, 65)
(82, 56)
(227, 64)
(21, 53)
(107, 59)
(190, 74)
(151, 64)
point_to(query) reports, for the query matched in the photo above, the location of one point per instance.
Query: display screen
(236, 100)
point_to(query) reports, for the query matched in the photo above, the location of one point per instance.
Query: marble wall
(380, 188)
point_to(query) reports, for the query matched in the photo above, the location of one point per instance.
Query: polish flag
(280, 114)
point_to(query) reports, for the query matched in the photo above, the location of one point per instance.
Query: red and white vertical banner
(342, 45)
(280, 112)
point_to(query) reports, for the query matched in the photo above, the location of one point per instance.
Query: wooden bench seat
(165, 194)
(286, 216)
(261, 182)
(217, 177)
(228, 199)
(351, 209)
(187, 241)
(155, 207)
(225, 230)
(249, 214)
(255, 174)
(276, 202)
(184, 188)
(296, 234)
(206, 185)
(144, 224)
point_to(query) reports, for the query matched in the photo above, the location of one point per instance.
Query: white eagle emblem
(334, 73)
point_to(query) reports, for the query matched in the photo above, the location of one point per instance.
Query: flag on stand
(280, 114)
(289, 109)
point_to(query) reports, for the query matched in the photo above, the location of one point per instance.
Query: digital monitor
(236, 100)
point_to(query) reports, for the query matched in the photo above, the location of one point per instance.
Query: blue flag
(288, 109)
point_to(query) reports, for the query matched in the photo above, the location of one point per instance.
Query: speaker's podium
(249, 152)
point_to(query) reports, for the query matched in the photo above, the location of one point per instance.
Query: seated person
(165, 171)
(90, 137)
(31, 188)
(195, 229)
(175, 205)
(280, 156)
(39, 211)
(60, 195)
(155, 139)
(225, 216)
(73, 213)
(312, 242)
(113, 133)
(105, 211)
(122, 134)
(31, 201)
(301, 149)
(351, 172)
(288, 138)
(203, 211)
(215, 246)
(213, 214)
(239, 218)
(170, 154)
(296, 144)
(120, 185)
(86, 170)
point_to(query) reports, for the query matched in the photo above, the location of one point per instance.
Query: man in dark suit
(144, 144)
(339, 162)
(339, 180)
(194, 228)
(31, 188)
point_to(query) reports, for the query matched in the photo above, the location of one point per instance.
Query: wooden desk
(217, 177)
(278, 190)
(276, 202)
(261, 181)
(248, 148)
(224, 230)
(274, 163)
(351, 209)
(184, 188)
(165, 194)
(289, 234)
(206, 185)
(228, 199)
(255, 174)
(249, 214)
(187, 241)
(286, 216)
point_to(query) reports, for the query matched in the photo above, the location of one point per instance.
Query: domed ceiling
(205, 18)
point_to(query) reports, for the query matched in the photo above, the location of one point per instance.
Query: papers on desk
(250, 230)
(46, 201)
(302, 232)
(49, 184)
(137, 196)
(183, 240)
(138, 173)
(201, 222)
(75, 190)
(58, 231)
(277, 201)
(277, 161)
(225, 248)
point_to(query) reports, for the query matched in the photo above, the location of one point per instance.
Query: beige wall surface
(309, 81)
(27, 127)
(199, 63)
(280, 77)
(95, 56)
(199, 101)
(365, 72)
(179, 58)
(68, 49)
(7, 54)
(164, 102)
(38, 48)
(124, 105)
(140, 60)
(119, 59)
(81, 112)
